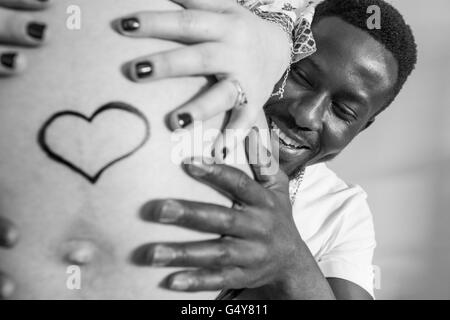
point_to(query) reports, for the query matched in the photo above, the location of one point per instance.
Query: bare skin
(67, 214)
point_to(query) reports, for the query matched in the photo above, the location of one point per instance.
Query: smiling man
(322, 246)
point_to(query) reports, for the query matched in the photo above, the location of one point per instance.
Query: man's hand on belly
(259, 240)
(8, 238)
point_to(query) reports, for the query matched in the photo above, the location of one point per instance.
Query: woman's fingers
(21, 29)
(237, 128)
(7, 287)
(188, 26)
(216, 100)
(259, 157)
(9, 234)
(201, 59)
(11, 62)
(265, 165)
(25, 4)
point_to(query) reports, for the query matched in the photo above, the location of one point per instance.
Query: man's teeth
(284, 138)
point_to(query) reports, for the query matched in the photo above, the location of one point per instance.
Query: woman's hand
(19, 29)
(259, 244)
(225, 40)
(8, 238)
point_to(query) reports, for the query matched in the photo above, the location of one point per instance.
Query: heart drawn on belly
(91, 145)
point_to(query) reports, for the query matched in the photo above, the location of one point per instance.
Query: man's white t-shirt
(335, 221)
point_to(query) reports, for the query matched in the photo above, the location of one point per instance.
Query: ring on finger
(241, 98)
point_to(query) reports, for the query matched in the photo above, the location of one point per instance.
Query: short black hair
(395, 35)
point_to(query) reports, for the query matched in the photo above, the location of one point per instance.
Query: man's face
(332, 95)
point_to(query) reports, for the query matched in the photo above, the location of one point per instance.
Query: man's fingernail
(162, 255)
(199, 168)
(171, 211)
(130, 24)
(144, 69)
(8, 60)
(184, 119)
(36, 30)
(180, 282)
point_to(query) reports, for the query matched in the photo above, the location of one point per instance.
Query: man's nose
(309, 112)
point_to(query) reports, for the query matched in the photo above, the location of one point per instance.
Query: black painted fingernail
(144, 69)
(184, 119)
(224, 152)
(8, 60)
(36, 30)
(130, 24)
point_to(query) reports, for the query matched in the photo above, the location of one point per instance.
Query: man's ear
(368, 124)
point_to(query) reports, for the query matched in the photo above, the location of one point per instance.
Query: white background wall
(403, 162)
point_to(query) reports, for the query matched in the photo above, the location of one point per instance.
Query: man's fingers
(230, 181)
(199, 216)
(21, 29)
(209, 254)
(187, 26)
(216, 5)
(25, 4)
(11, 62)
(7, 287)
(206, 280)
(201, 59)
(9, 234)
(215, 100)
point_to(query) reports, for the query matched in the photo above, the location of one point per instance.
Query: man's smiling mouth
(284, 138)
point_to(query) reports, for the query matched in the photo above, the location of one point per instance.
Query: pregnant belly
(82, 150)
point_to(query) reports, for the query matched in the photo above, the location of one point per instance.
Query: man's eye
(343, 113)
(302, 79)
